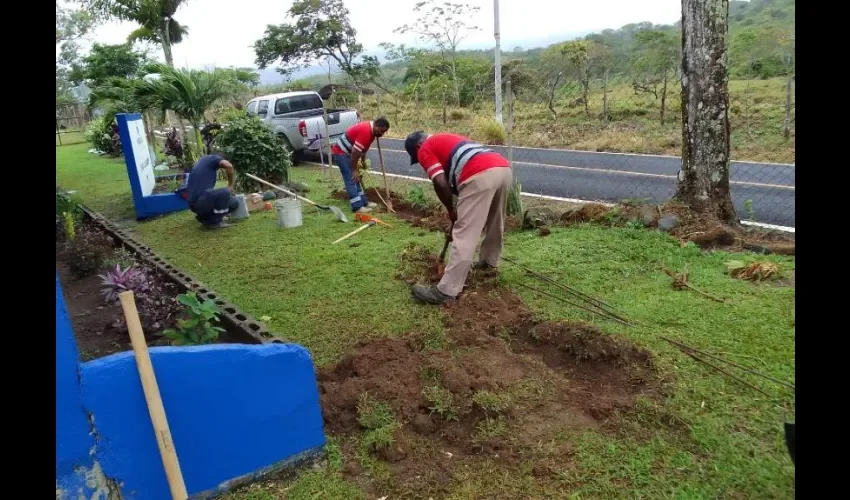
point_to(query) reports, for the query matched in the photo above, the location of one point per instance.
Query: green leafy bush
(198, 328)
(87, 251)
(253, 148)
(99, 133)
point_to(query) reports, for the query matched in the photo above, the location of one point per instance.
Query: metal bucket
(288, 212)
(241, 209)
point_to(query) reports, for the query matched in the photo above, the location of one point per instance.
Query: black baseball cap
(411, 143)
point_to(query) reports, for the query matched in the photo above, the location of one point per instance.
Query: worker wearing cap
(481, 180)
(210, 205)
(347, 153)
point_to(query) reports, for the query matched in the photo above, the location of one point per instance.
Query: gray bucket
(288, 212)
(241, 209)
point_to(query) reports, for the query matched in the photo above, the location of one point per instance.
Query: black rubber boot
(429, 294)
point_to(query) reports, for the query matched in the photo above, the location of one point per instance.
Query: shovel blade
(338, 213)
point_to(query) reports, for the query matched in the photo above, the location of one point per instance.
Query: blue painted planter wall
(234, 410)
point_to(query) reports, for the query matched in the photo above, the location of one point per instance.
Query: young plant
(68, 225)
(416, 196)
(120, 280)
(120, 257)
(198, 328)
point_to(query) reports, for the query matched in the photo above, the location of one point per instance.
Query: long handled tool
(336, 211)
(388, 202)
(441, 260)
(352, 233)
(153, 398)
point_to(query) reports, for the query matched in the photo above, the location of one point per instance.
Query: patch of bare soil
(505, 384)
(431, 217)
(705, 231)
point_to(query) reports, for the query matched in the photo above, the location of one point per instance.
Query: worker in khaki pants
(481, 179)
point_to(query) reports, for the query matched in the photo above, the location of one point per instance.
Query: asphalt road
(614, 177)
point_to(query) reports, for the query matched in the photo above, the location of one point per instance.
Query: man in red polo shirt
(347, 152)
(481, 180)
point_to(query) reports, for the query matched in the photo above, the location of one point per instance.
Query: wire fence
(762, 192)
(71, 121)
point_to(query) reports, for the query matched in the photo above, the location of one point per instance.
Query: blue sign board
(140, 169)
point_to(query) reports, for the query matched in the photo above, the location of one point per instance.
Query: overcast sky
(221, 32)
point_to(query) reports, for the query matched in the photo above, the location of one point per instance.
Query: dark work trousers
(211, 207)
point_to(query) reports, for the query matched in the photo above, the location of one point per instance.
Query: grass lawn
(329, 297)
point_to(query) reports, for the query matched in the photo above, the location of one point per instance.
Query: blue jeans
(356, 196)
(211, 207)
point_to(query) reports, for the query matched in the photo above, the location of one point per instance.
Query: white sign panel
(141, 155)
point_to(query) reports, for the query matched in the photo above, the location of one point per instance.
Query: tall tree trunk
(165, 36)
(664, 96)
(552, 89)
(444, 105)
(704, 176)
(605, 98)
(454, 79)
(586, 90)
(786, 130)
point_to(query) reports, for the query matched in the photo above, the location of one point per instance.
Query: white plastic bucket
(241, 209)
(288, 212)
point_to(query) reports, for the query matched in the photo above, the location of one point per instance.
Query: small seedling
(68, 224)
(442, 402)
(378, 420)
(198, 328)
(491, 402)
(120, 257)
(748, 207)
(416, 196)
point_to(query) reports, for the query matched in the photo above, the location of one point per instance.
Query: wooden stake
(388, 202)
(153, 398)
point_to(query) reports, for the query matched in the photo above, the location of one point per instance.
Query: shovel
(336, 211)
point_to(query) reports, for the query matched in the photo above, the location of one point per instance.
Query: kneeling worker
(481, 179)
(347, 152)
(211, 205)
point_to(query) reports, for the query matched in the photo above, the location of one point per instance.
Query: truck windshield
(297, 103)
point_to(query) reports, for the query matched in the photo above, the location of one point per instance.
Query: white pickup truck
(297, 118)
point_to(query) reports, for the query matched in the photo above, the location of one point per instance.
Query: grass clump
(378, 420)
(442, 402)
(491, 403)
(489, 429)
(490, 131)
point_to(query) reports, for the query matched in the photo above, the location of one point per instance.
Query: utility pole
(498, 61)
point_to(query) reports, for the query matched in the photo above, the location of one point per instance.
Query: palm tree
(188, 93)
(155, 18)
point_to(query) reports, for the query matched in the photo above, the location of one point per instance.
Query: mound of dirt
(505, 383)
(428, 217)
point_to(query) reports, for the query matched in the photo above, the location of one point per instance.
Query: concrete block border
(241, 323)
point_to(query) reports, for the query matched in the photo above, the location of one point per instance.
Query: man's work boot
(220, 225)
(363, 210)
(482, 268)
(373, 205)
(429, 294)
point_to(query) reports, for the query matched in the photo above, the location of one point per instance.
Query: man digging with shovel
(481, 179)
(347, 152)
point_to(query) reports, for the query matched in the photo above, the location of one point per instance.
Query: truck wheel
(293, 155)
